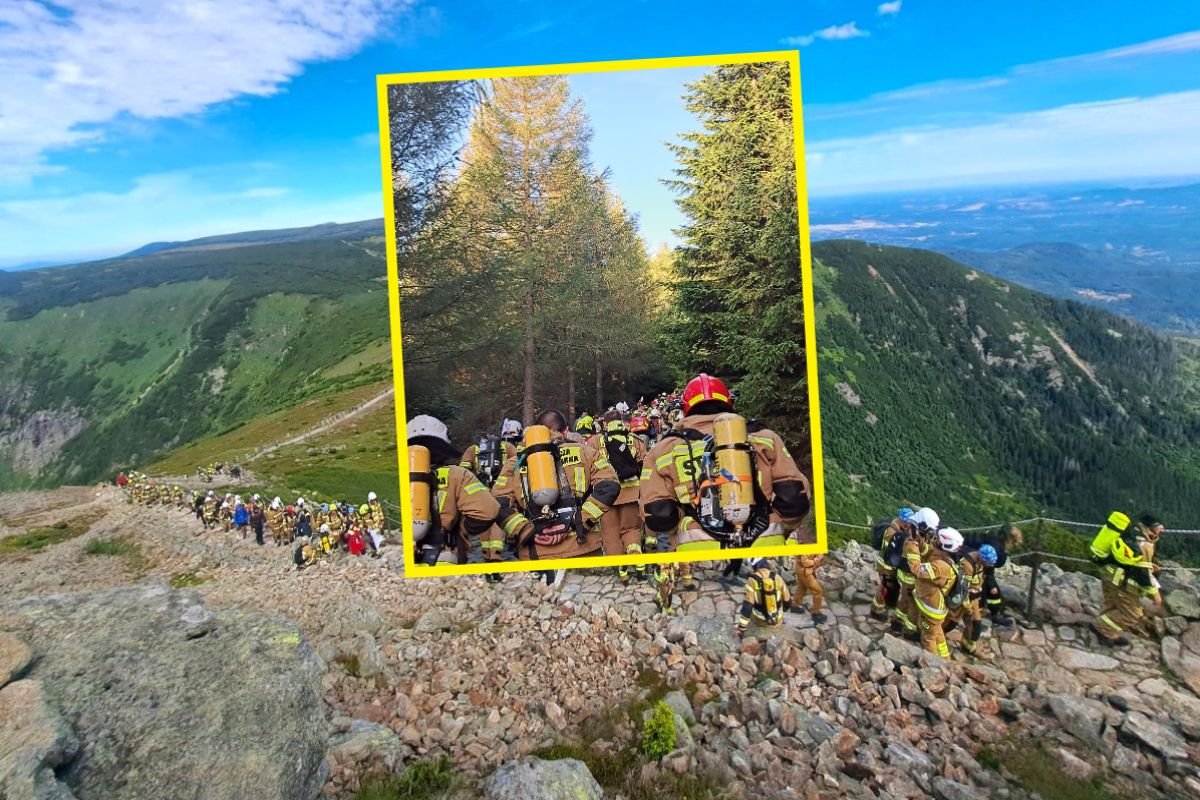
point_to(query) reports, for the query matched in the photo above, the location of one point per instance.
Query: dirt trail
(337, 421)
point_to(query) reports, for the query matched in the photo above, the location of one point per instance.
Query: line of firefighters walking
(317, 528)
(698, 477)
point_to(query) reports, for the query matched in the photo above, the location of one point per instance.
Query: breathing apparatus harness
(705, 506)
(551, 525)
(489, 460)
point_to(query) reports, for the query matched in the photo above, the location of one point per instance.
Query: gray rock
(906, 758)
(880, 666)
(1181, 661)
(1079, 716)
(1075, 767)
(1184, 602)
(678, 702)
(1073, 658)
(14, 658)
(817, 729)
(946, 789)
(434, 621)
(236, 712)
(354, 616)
(714, 634)
(34, 740)
(535, 779)
(902, 652)
(370, 660)
(1160, 738)
(857, 641)
(365, 742)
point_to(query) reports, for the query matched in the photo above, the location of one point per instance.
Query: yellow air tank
(732, 449)
(542, 475)
(420, 486)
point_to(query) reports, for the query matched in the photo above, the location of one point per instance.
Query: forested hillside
(109, 363)
(946, 386)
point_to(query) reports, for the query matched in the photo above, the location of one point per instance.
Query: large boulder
(1081, 717)
(1182, 662)
(34, 740)
(535, 779)
(170, 699)
(1184, 602)
(14, 657)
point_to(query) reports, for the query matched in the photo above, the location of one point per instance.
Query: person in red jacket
(122, 480)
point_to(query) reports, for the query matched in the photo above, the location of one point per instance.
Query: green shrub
(41, 538)
(658, 734)
(183, 579)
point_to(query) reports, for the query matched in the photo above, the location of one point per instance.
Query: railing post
(1037, 562)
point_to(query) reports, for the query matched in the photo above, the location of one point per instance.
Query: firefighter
(585, 425)
(582, 481)
(934, 576)
(211, 510)
(964, 602)
(766, 598)
(302, 522)
(1124, 551)
(807, 584)
(621, 529)
(1003, 540)
(883, 605)
(510, 431)
(487, 457)
(905, 550)
(675, 487)
(459, 505)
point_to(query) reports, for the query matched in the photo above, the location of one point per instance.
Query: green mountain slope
(946, 386)
(107, 364)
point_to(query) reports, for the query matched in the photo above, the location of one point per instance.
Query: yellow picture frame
(415, 570)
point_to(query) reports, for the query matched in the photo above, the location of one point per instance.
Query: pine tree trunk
(527, 399)
(599, 385)
(571, 391)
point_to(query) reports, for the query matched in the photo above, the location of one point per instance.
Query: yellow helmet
(364, 509)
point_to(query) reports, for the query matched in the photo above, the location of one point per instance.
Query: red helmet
(290, 510)
(705, 387)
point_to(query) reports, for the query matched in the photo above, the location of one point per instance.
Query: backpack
(490, 458)
(620, 455)
(956, 595)
(768, 591)
(304, 555)
(893, 555)
(877, 532)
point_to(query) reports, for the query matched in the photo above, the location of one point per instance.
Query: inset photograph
(601, 317)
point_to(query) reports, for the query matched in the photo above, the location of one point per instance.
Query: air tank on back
(732, 448)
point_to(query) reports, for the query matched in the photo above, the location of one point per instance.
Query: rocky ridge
(492, 676)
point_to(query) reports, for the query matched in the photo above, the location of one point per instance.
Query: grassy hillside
(109, 364)
(945, 386)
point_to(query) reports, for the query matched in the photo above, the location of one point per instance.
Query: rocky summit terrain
(140, 657)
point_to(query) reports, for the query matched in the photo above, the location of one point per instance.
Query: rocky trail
(303, 684)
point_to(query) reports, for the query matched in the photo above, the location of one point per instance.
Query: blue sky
(124, 122)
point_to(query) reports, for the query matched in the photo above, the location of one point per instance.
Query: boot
(879, 614)
(819, 616)
(1002, 619)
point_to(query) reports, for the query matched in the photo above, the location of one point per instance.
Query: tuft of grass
(41, 538)
(1039, 771)
(112, 547)
(181, 580)
(422, 780)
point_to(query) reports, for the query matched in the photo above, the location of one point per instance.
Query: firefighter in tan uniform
(684, 479)
(211, 510)
(1124, 551)
(462, 506)
(807, 584)
(621, 529)
(580, 485)
(935, 575)
(486, 459)
(887, 594)
(965, 605)
(906, 549)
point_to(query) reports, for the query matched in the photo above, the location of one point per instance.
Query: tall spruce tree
(739, 305)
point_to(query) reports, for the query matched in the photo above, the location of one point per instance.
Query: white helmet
(325, 528)
(300, 501)
(255, 497)
(425, 425)
(926, 519)
(372, 497)
(225, 504)
(211, 493)
(511, 427)
(276, 503)
(950, 540)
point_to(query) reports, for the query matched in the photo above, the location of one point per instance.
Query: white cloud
(833, 33)
(1158, 135)
(71, 69)
(889, 8)
(1180, 43)
(163, 207)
